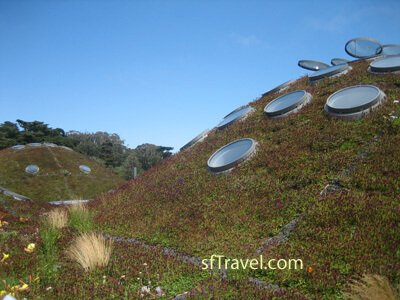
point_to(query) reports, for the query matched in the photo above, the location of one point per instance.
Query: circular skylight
(391, 49)
(32, 169)
(85, 169)
(231, 155)
(339, 61)
(363, 47)
(386, 64)
(287, 103)
(234, 116)
(198, 138)
(237, 109)
(332, 70)
(280, 87)
(312, 65)
(18, 147)
(353, 101)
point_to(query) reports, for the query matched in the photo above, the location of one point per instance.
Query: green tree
(149, 154)
(9, 134)
(106, 153)
(9, 130)
(129, 164)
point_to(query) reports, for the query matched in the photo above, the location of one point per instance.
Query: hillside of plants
(341, 234)
(59, 176)
(336, 182)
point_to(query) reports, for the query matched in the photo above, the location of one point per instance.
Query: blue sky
(163, 71)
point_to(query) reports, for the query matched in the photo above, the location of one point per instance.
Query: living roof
(180, 204)
(59, 177)
(318, 188)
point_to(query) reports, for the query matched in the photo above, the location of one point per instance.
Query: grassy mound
(348, 231)
(59, 177)
(340, 235)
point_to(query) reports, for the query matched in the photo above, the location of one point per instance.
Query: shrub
(80, 218)
(57, 218)
(90, 250)
(371, 287)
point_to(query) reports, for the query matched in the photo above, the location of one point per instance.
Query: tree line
(107, 148)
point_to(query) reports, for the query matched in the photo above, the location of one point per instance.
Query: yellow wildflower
(2, 293)
(5, 256)
(23, 287)
(3, 223)
(30, 248)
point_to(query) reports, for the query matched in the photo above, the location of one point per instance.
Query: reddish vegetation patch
(348, 231)
(180, 204)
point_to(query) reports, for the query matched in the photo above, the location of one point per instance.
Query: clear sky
(163, 71)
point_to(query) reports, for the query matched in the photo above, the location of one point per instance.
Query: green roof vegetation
(339, 180)
(181, 204)
(59, 177)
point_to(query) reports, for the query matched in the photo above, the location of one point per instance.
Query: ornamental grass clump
(57, 218)
(90, 250)
(371, 287)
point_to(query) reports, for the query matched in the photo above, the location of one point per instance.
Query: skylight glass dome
(287, 103)
(339, 61)
(363, 47)
(231, 155)
(236, 110)
(85, 169)
(328, 72)
(198, 138)
(279, 88)
(235, 116)
(312, 65)
(354, 102)
(385, 64)
(390, 49)
(32, 169)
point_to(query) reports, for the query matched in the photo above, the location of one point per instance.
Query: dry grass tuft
(371, 287)
(90, 250)
(57, 218)
(78, 207)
